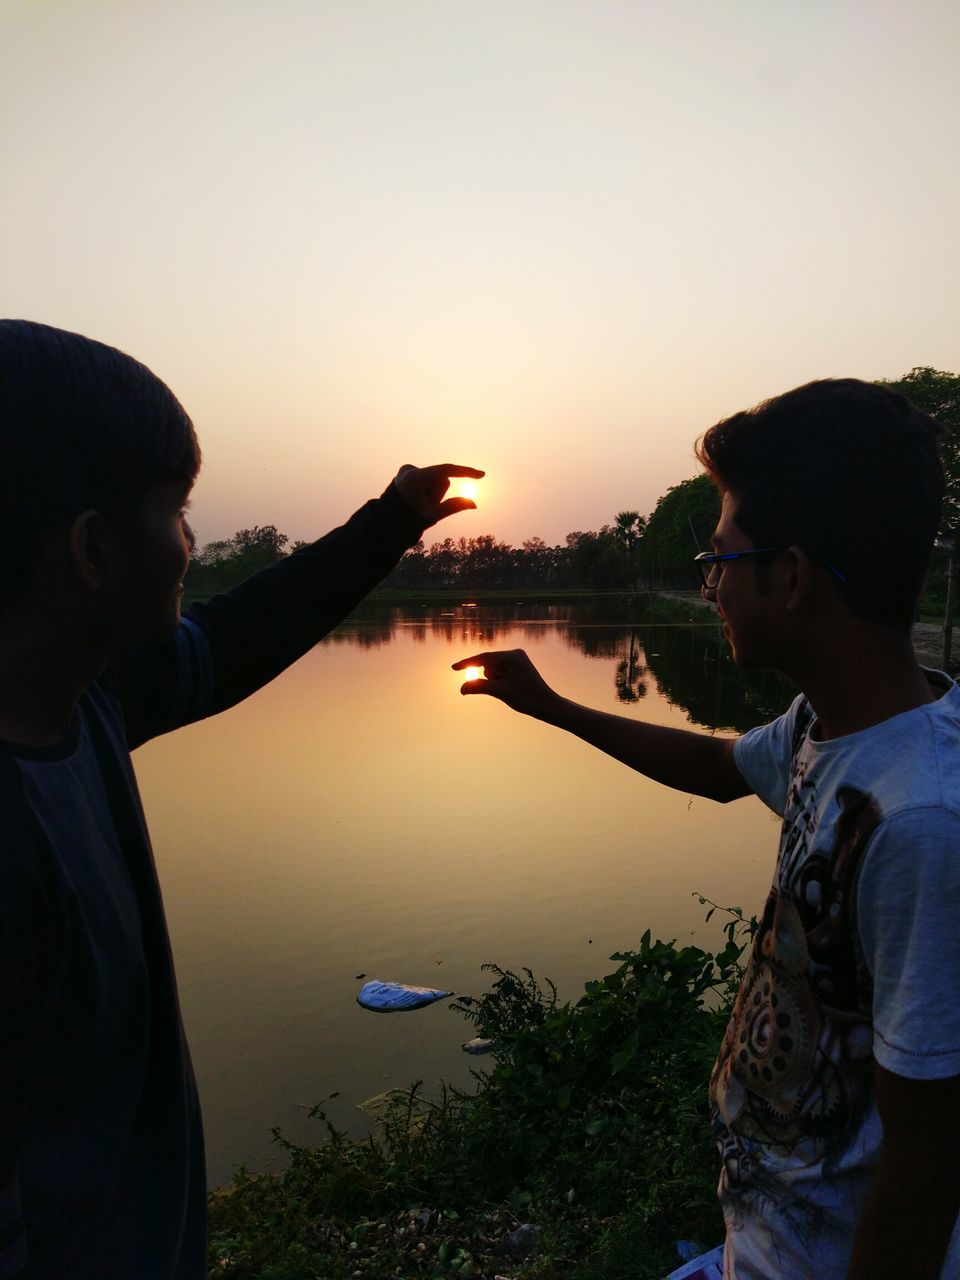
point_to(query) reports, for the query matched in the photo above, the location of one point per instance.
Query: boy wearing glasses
(835, 1098)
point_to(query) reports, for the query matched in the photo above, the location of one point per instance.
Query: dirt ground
(928, 643)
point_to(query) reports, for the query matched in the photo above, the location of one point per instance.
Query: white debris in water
(478, 1045)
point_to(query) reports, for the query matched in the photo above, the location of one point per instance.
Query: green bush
(591, 1126)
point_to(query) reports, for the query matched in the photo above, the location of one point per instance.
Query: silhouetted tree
(681, 525)
(628, 529)
(261, 543)
(220, 565)
(938, 393)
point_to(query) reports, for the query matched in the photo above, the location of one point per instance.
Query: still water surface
(359, 817)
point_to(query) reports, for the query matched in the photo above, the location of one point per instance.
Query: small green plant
(591, 1127)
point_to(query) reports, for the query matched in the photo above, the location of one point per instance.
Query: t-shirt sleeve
(908, 904)
(764, 757)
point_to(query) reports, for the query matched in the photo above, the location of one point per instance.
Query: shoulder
(764, 756)
(784, 733)
(779, 738)
(916, 758)
(942, 744)
(908, 764)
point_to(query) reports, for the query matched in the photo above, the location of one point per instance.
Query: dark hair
(847, 470)
(82, 426)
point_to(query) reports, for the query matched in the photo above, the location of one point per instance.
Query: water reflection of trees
(630, 672)
(689, 661)
(693, 670)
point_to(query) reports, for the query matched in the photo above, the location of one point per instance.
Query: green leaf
(620, 1060)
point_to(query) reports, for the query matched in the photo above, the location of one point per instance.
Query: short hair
(847, 470)
(82, 426)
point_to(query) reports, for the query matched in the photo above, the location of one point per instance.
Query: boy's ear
(94, 551)
(799, 577)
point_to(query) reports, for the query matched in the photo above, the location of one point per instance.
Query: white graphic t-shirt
(856, 961)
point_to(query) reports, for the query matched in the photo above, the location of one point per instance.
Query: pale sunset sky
(556, 239)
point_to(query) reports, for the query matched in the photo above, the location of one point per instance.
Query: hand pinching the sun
(424, 489)
(511, 677)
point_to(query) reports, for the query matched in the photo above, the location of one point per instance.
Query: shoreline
(927, 636)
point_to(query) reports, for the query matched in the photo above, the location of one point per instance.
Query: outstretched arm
(235, 643)
(693, 762)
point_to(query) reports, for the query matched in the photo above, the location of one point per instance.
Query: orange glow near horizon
(551, 303)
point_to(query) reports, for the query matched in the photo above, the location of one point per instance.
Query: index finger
(477, 661)
(453, 469)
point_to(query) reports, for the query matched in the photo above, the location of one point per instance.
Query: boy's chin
(151, 630)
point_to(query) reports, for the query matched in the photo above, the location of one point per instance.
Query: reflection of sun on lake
(473, 673)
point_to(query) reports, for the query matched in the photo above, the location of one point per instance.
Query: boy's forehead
(171, 489)
(727, 533)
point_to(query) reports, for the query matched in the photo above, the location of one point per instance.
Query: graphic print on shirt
(793, 1075)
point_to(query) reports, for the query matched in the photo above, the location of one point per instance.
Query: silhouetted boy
(101, 1149)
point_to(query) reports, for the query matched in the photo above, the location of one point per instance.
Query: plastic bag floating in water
(396, 997)
(478, 1045)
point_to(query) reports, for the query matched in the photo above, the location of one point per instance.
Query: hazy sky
(553, 238)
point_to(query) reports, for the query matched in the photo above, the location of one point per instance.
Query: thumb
(452, 505)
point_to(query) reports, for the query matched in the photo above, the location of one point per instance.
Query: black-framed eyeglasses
(710, 564)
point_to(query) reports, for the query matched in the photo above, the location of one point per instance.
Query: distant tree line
(938, 393)
(218, 566)
(627, 554)
(630, 553)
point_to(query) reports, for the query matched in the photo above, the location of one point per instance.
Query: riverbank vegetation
(585, 1151)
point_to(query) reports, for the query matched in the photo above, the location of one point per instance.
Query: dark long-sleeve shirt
(101, 1146)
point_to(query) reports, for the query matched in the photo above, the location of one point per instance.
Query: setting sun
(464, 489)
(473, 673)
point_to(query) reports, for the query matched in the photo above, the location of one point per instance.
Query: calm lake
(359, 817)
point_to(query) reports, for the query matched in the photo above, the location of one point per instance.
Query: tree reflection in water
(630, 672)
(694, 670)
(643, 637)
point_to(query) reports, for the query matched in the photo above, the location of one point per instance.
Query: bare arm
(692, 762)
(914, 1197)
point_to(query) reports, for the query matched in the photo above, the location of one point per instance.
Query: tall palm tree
(628, 529)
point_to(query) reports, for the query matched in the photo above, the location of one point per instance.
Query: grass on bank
(584, 1153)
